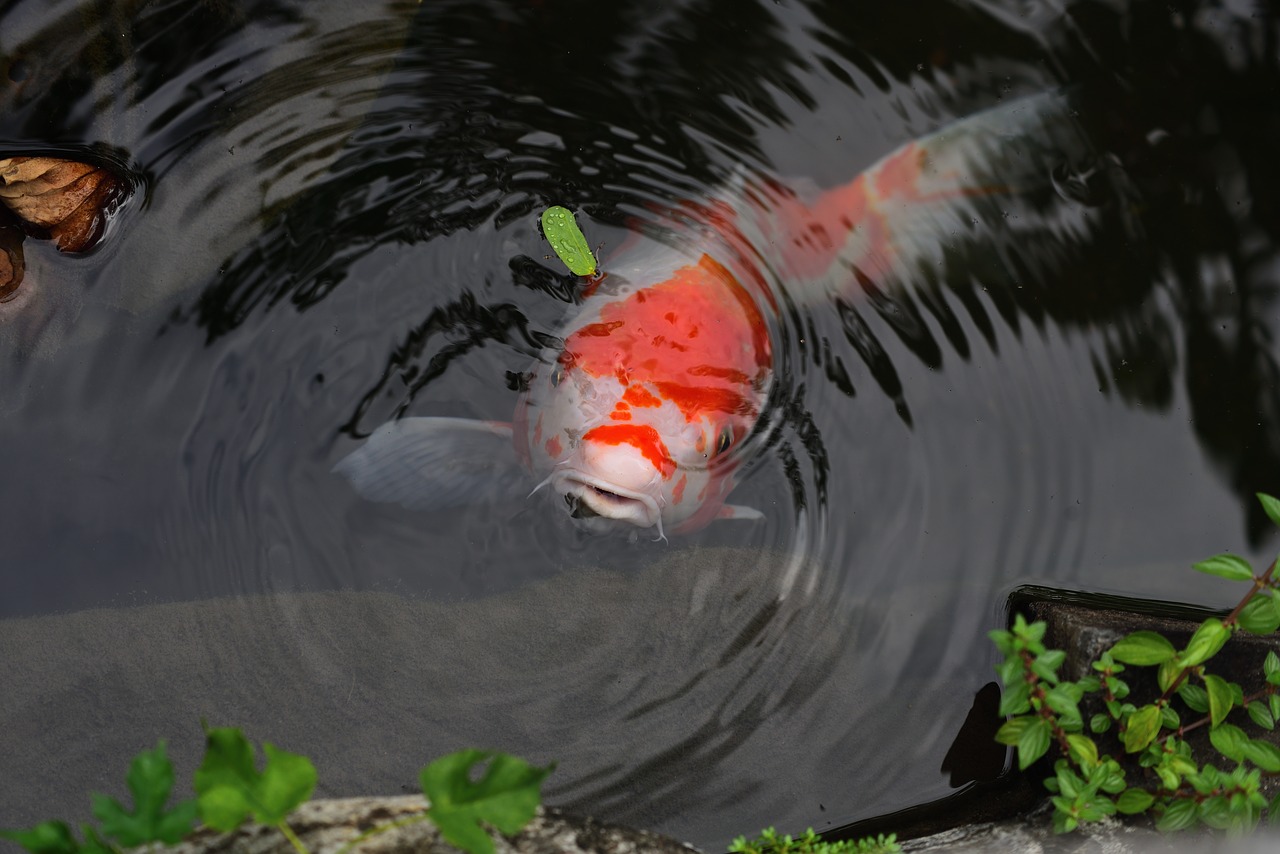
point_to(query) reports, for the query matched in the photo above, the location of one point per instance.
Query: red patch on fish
(640, 396)
(644, 438)
(554, 447)
(677, 494)
(697, 339)
(695, 401)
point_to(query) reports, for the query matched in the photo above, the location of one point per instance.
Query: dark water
(335, 224)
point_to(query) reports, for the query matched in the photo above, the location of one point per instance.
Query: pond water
(335, 224)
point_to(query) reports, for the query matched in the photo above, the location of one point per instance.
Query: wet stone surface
(328, 826)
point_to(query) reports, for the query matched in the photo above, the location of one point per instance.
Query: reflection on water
(1075, 385)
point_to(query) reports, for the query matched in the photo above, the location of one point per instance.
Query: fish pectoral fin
(434, 463)
(738, 511)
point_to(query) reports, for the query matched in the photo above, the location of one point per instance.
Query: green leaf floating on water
(567, 241)
(229, 787)
(506, 796)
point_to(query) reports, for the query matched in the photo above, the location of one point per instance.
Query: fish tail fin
(925, 197)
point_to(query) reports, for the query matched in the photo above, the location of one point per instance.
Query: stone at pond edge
(325, 826)
(65, 200)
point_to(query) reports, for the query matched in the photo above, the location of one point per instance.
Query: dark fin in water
(435, 463)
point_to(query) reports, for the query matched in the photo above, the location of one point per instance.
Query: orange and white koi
(635, 420)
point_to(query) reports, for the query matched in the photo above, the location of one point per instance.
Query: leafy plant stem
(383, 828)
(1206, 720)
(292, 837)
(1259, 582)
(1041, 703)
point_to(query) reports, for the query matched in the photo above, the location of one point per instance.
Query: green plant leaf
(1261, 753)
(50, 837)
(1082, 750)
(1143, 648)
(1168, 673)
(1179, 815)
(1133, 801)
(1015, 700)
(1220, 698)
(561, 231)
(94, 843)
(1010, 670)
(1113, 782)
(1031, 632)
(1226, 566)
(1141, 728)
(1196, 698)
(1046, 664)
(1003, 640)
(1229, 740)
(1258, 616)
(229, 788)
(1062, 702)
(506, 796)
(1271, 506)
(1261, 715)
(150, 781)
(1089, 684)
(1215, 812)
(1205, 643)
(1099, 723)
(1010, 731)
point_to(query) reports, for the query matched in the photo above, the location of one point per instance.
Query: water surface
(335, 225)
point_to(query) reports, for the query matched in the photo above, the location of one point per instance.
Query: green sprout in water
(562, 231)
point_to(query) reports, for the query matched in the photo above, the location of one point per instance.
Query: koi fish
(635, 420)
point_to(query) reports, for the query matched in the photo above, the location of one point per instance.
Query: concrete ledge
(329, 826)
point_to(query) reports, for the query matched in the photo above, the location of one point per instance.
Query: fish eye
(557, 374)
(724, 440)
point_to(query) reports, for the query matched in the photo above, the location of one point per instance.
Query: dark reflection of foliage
(468, 325)
(893, 41)
(868, 347)
(1207, 79)
(474, 80)
(45, 79)
(528, 273)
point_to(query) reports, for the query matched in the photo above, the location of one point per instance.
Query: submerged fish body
(638, 420)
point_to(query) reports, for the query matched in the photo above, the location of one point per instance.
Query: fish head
(636, 421)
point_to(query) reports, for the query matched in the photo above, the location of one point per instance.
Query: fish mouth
(592, 498)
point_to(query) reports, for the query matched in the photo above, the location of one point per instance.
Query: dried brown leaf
(66, 199)
(12, 266)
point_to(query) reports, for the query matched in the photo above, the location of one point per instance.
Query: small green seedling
(562, 231)
(771, 842)
(229, 788)
(506, 796)
(150, 781)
